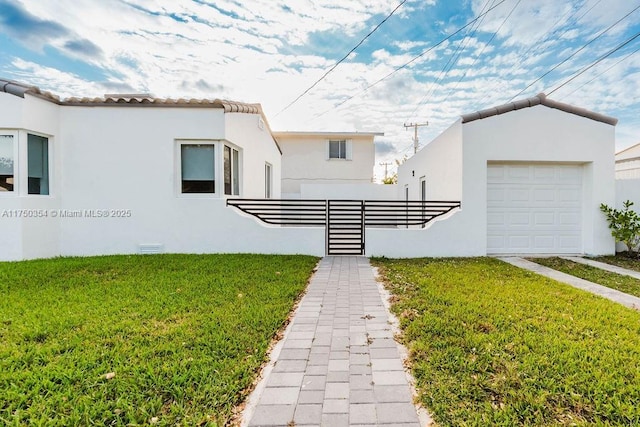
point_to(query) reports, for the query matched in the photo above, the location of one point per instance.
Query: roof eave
(540, 99)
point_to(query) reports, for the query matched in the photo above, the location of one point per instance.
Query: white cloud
(269, 52)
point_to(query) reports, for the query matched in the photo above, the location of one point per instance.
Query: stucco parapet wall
(20, 89)
(540, 99)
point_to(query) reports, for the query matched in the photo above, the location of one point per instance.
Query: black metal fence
(313, 213)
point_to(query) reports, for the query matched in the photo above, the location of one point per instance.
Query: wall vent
(150, 248)
(260, 123)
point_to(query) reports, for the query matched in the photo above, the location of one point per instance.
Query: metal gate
(344, 220)
(345, 227)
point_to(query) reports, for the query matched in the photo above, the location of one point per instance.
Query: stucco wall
(28, 236)
(540, 134)
(136, 169)
(349, 191)
(628, 189)
(246, 131)
(125, 161)
(439, 163)
(304, 161)
(458, 159)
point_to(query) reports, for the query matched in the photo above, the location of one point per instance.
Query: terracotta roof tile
(540, 99)
(19, 89)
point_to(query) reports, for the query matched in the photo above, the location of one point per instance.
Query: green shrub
(624, 224)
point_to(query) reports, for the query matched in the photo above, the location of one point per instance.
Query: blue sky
(270, 52)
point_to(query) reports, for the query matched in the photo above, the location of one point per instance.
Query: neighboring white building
(628, 177)
(317, 159)
(628, 163)
(530, 174)
(129, 174)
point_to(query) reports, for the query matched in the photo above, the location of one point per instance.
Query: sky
(429, 61)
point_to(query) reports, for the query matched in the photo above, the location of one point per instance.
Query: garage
(534, 208)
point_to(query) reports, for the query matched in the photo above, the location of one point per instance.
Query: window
(338, 149)
(6, 163)
(37, 164)
(267, 181)
(198, 168)
(231, 171)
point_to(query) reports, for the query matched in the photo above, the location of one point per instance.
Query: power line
(541, 40)
(342, 59)
(596, 62)
(406, 64)
(574, 53)
(603, 72)
(482, 51)
(456, 54)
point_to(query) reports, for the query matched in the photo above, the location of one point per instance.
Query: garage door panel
(569, 219)
(495, 241)
(518, 173)
(518, 195)
(544, 195)
(518, 241)
(544, 173)
(570, 174)
(569, 195)
(544, 242)
(496, 174)
(496, 219)
(544, 218)
(495, 196)
(534, 208)
(569, 242)
(522, 219)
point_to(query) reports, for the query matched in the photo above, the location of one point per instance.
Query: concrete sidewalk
(603, 266)
(338, 364)
(612, 294)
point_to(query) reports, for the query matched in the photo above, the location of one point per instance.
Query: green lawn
(620, 261)
(491, 344)
(620, 282)
(183, 334)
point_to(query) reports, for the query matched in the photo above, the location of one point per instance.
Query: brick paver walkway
(339, 364)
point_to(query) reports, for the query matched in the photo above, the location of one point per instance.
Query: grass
(491, 344)
(620, 261)
(184, 336)
(620, 282)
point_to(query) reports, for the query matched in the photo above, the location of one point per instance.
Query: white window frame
(216, 173)
(50, 166)
(16, 164)
(234, 182)
(348, 150)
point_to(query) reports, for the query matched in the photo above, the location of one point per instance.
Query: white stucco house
(531, 176)
(127, 174)
(131, 174)
(328, 164)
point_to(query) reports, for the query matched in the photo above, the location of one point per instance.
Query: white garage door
(534, 209)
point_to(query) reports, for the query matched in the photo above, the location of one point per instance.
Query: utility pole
(415, 133)
(385, 164)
